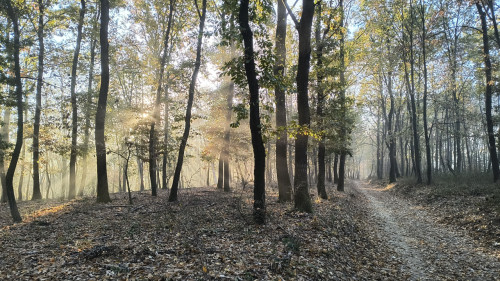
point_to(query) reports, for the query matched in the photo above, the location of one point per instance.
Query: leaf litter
(207, 235)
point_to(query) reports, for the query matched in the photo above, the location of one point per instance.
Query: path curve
(428, 250)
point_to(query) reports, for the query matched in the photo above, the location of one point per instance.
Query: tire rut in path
(427, 250)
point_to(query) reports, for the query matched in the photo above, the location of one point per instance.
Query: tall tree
(304, 27)
(259, 193)
(12, 13)
(284, 184)
(488, 94)
(192, 86)
(156, 110)
(343, 105)
(100, 144)
(411, 87)
(88, 101)
(74, 107)
(319, 36)
(38, 106)
(426, 130)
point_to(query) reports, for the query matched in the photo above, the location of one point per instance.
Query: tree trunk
(343, 107)
(5, 141)
(259, 204)
(284, 184)
(9, 178)
(140, 167)
(416, 139)
(88, 104)
(100, 144)
(156, 110)
(187, 120)
(488, 94)
(320, 105)
(390, 132)
(302, 198)
(38, 106)
(380, 158)
(426, 131)
(74, 107)
(336, 169)
(220, 178)
(225, 150)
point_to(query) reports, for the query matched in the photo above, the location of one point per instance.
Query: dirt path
(427, 250)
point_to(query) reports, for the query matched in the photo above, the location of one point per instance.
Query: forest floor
(365, 233)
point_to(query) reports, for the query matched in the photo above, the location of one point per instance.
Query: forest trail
(427, 250)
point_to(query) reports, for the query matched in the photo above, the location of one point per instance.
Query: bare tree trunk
(259, 204)
(302, 198)
(225, 150)
(192, 85)
(156, 110)
(5, 141)
(488, 94)
(140, 167)
(9, 178)
(74, 107)
(102, 177)
(88, 103)
(343, 107)
(36, 125)
(416, 139)
(426, 131)
(220, 178)
(284, 183)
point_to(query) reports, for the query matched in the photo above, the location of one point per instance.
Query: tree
(304, 27)
(426, 130)
(488, 94)
(88, 100)
(12, 13)
(408, 56)
(284, 184)
(343, 106)
(74, 128)
(100, 144)
(320, 42)
(192, 85)
(38, 106)
(259, 193)
(156, 110)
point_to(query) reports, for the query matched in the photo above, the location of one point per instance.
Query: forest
(310, 138)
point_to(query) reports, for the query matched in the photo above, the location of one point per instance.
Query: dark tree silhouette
(9, 177)
(100, 144)
(259, 153)
(187, 119)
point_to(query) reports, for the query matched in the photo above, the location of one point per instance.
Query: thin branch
(292, 15)
(197, 8)
(471, 27)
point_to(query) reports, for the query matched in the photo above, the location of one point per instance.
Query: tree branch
(197, 8)
(292, 15)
